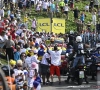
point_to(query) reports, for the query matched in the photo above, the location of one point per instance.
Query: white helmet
(71, 32)
(78, 39)
(98, 45)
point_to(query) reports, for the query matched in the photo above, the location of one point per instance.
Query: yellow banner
(58, 25)
(44, 25)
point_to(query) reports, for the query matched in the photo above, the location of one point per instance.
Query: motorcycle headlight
(66, 54)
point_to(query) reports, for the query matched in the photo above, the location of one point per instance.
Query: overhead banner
(58, 25)
(44, 25)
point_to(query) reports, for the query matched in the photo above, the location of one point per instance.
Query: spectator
(87, 8)
(66, 1)
(61, 4)
(98, 14)
(82, 17)
(38, 8)
(27, 4)
(55, 63)
(45, 67)
(96, 4)
(12, 16)
(45, 6)
(35, 58)
(57, 10)
(32, 2)
(71, 4)
(53, 8)
(76, 13)
(9, 48)
(66, 9)
(2, 12)
(94, 17)
(8, 12)
(34, 24)
(17, 53)
(91, 5)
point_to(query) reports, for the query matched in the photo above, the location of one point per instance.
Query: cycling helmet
(12, 62)
(98, 45)
(78, 39)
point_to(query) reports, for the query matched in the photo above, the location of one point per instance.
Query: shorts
(32, 2)
(96, 6)
(54, 69)
(61, 8)
(45, 10)
(66, 12)
(53, 10)
(45, 69)
(98, 16)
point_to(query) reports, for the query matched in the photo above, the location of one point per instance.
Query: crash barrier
(55, 25)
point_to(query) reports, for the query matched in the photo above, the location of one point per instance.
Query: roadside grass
(3, 61)
(70, 24)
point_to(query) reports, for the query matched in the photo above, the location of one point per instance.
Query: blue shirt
(41, 52)
(9, 12)
(52, 6)
(36, 44)
(82, 17)
(17, 56)
(69, 51)
(37, 81)
(66, 1)
(97, 54)
(12, 16)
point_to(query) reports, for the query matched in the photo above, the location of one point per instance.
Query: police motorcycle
(95, 66)
(78, 73)
(88, 59)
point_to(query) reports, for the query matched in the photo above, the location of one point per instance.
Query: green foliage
(70, 24)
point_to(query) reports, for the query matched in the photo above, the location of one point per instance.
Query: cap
(34, 65)
(35, 51)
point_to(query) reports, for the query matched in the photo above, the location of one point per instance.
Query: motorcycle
(78, 73)
(98, 73)
(88, 64)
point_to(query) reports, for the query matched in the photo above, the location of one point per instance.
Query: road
(71, 86)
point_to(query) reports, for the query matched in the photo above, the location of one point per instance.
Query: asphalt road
(72, 85)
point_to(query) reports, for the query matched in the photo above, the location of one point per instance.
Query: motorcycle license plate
(98, 68)
(81, 74)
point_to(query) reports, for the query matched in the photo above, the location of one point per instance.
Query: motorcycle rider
(78, 50)
(96, 58)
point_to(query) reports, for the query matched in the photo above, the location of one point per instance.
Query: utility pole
(51, 21)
